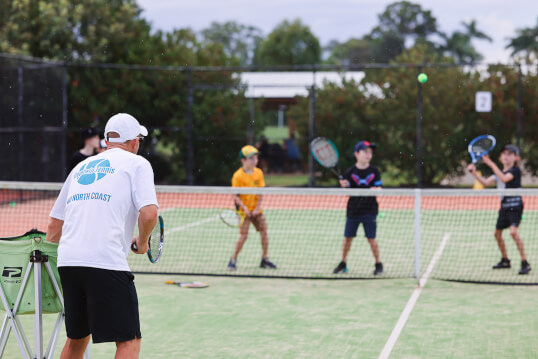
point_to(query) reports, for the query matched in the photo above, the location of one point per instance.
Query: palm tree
(459, 44)
(526, 40)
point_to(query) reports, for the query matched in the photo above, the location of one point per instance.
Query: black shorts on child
(509, 217)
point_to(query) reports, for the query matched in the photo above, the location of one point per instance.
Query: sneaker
(266, 263)
(340, 268)
(378, 268)
(231, 265)
(503, 264)
(525, 267)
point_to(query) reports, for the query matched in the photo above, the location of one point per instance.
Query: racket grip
(134, 247)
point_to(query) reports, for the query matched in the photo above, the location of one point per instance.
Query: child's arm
(503, 177)
(256, 210)
(239, 203)
(377, 180)
(485, 181)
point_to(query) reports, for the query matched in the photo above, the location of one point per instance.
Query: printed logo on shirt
(93, 171)
(363, 181)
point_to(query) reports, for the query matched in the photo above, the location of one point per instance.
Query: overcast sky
(343, 19)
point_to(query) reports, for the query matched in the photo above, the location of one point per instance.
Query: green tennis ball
(422, 77)
(12, 204)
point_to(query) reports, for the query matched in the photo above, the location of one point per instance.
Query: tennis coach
(93, 221)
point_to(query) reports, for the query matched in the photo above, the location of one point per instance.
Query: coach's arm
(54, 230)
(147, 219)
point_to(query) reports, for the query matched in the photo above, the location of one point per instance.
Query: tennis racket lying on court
(188, 284)
(232, 217)
(326, 154)
(481, 146)
(155, 243)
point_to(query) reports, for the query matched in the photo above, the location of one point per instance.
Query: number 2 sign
(483, 101)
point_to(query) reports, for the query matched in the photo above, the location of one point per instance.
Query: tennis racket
(326, 154)
(232, 217)
(481, 146)
(188, 284)
(155, 242)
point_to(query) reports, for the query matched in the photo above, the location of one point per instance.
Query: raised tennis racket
(232, 217)
(156, 242)
(326, 154)
(481, 146)
(194, 284)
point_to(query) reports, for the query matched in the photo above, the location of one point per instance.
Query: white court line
(389, 345)
(193, 224)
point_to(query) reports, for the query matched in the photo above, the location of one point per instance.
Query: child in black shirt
(511, 206)
(361, 209)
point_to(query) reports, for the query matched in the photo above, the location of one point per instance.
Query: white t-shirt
(99, 204)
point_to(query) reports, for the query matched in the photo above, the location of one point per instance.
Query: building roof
(291, 84)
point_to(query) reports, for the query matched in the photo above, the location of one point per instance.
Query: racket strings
(325, 153)
(155, 244)
(230, 217)
(482, 146)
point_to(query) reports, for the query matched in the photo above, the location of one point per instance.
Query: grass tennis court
(240, 317)
(285, 318)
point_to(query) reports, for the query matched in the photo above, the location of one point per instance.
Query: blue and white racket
(481, 146)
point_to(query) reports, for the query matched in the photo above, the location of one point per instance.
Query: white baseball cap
(126, 126)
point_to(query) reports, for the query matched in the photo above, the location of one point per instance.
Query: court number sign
(483, 101)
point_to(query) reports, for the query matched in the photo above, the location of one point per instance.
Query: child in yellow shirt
(249, 205)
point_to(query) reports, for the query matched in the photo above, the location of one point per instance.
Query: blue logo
(94, 171)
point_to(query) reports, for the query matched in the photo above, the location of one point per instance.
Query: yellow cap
(248, 151)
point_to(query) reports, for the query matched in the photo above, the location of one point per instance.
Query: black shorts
(509, 217)
(100, 302)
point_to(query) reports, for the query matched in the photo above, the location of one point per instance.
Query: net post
(416, 233)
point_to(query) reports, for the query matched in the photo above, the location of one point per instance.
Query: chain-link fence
(33, 120)
(200, 117)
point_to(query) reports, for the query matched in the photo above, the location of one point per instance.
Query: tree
(459, 44)
(383, 108)
(71, 30)
(351, 52)
(526, 41)
(406, 19)
(290, 43)
(400, 22)
(104, 31)
(238, 41)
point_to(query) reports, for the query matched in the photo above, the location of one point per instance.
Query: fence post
(64, 122)
(312, 130)
(190, 134)
(20, 121)
(416, 233)
(250, 125)
(519, 104)
(419, 132)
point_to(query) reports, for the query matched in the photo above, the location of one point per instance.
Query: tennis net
(444, 234)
